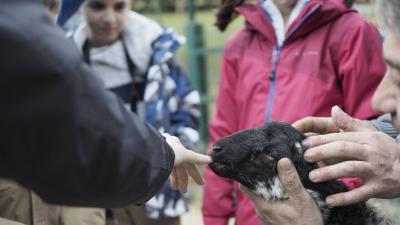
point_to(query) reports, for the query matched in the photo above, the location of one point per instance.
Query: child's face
(106, 20)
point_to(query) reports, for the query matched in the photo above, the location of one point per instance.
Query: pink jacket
(331, 56)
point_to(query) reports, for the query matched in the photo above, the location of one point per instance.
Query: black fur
(251, 157)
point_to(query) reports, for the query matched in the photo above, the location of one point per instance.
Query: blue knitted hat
(68, 9)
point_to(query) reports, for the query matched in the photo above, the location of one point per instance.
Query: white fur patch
(299, 147)
(275, 191)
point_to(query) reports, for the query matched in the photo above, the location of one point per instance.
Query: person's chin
(109, 40)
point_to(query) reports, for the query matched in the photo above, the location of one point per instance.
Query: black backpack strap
(86, 52)
(138, 80)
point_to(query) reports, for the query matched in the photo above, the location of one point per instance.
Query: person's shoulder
(140, 24)
(20, 18)
(239, 40)
(28, 24)
(352, 25)
(353, 21)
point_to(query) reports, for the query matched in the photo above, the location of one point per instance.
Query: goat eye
(269, 156)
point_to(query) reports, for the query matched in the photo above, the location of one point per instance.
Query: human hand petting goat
(360, 151)
(185, 165)
(298, 209)
(366, 153)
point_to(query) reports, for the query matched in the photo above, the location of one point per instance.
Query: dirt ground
(193, 217)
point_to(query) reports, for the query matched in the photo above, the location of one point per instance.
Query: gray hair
(389, 12)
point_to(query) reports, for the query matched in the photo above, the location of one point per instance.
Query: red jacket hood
(322, 12)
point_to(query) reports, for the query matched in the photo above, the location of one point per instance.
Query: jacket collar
(138, 36)
(276, 17)
(314, 15)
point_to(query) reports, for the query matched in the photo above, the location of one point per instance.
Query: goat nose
(216, 148)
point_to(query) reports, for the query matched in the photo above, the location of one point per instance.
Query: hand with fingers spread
(298, 209)
(185, 164)
(338, 122)
(373, 156)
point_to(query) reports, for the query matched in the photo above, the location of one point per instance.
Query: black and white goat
(251, 156)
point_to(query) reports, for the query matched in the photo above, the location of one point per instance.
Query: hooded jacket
(330, 56)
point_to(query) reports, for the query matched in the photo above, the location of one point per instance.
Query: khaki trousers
(8, 222)
(136, 215)
(24, 206)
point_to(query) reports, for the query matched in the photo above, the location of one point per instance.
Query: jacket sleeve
(218, 201)
(384, 123)
(361, 68)
(62, 134)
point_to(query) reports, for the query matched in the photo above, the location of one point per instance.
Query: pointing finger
(193, 157)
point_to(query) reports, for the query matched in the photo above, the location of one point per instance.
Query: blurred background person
(135, 58)
(292, 59)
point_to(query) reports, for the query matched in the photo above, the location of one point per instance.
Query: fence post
(197, 66)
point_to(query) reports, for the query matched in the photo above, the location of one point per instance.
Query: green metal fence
(196, 65)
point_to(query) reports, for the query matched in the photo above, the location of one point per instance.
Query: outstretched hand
(298, 209)
(185, 165)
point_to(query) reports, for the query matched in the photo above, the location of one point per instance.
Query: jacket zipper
(276, 53)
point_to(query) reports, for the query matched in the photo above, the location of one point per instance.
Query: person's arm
(218, 201)
(361, 68)
(62, 134)
(298, 209)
